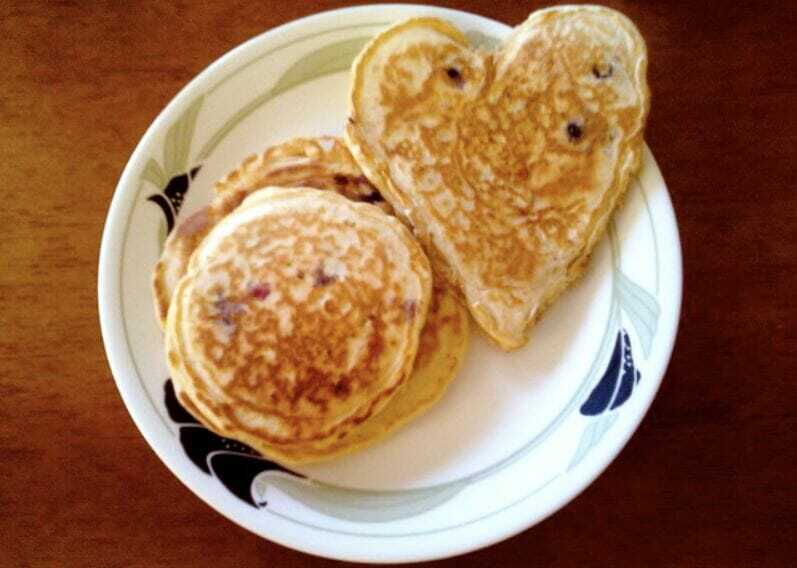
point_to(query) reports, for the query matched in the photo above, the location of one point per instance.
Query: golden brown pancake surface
(507, 164)
(298, 319)
(322, 163)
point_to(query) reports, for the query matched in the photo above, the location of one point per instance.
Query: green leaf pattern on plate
(643, 311)
(154, 174)
(178, 140)
(326, 60)
(354, 505)
(332, 58)
(591, 436)
(176, 148)
(640, 306)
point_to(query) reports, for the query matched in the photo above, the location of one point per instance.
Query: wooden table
(708, 480)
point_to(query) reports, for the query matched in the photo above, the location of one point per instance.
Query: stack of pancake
(301, 312)
(300, 316)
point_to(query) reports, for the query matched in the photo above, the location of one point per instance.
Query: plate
(516, 437)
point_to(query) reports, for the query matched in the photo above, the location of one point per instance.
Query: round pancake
(322, 163)
(442, 347)
(298, 321)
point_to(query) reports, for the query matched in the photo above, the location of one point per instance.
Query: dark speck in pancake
(456, 76)
(228, 310)
(322, 278)
(574, 131)
(260, 291)
(602, 71)
(373, 197)
(410, 308)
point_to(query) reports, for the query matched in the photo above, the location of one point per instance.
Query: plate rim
(120, 361)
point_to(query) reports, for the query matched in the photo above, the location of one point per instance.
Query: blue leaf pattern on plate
(176, 411)
(232, 462)
(238, 471)
(247, 475)
(171, 200)
(617, 383)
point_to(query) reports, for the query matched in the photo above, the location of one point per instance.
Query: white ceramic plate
(516, 437)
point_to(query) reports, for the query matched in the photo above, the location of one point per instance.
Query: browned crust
(226, 422)
(379, 175)
(328, 165)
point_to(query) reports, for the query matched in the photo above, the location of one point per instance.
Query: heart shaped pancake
(507, 164)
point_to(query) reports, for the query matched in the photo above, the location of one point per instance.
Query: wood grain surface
(709, 478)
